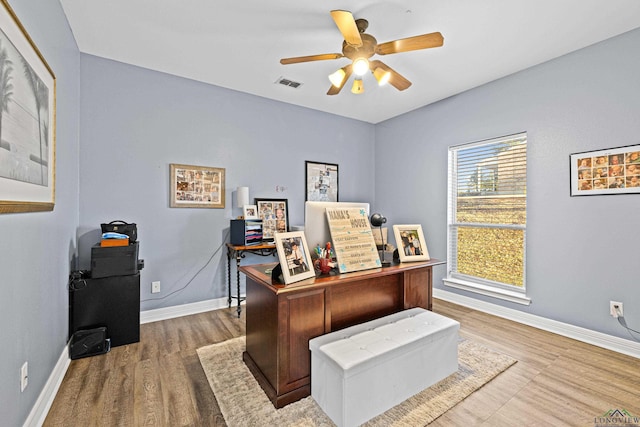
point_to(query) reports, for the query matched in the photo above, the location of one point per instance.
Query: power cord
(224, 239)
(624, 325)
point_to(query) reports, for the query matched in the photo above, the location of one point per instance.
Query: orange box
(114, 242)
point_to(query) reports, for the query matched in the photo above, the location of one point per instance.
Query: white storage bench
(361, 371)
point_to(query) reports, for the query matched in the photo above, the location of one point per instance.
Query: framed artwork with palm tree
(27, 120)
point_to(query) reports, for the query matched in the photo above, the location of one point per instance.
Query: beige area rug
(244, 404)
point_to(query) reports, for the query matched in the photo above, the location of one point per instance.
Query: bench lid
(383, 339)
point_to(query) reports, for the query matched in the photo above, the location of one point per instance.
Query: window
(487, 217)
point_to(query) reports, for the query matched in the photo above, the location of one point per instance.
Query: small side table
(238, 252)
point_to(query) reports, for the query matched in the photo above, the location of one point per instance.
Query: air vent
(287, 82)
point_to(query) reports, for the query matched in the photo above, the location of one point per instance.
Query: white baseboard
(599, 339)
(158, 314)
(48, 394)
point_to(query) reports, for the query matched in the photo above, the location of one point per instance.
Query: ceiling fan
(359, 47)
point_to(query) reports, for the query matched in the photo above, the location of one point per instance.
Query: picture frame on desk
(294, 256)
(250, 212)
(28, 140)
(274, 214)
(196, 186)
(410, 242)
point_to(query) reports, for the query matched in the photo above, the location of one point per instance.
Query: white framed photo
(410, 242)
(294, 256)
(250, 211)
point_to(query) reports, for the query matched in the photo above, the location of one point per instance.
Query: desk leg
(238, 258)
(229, 250)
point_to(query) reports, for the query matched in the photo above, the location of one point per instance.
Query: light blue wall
(581, 251)
(130, 123)
(37, 249)
(135, 122)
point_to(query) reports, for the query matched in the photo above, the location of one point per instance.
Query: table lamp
(377, 220)
(242, 197)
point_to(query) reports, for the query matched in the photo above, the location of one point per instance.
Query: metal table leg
(238, 252)
(238, 258)
(229, 251)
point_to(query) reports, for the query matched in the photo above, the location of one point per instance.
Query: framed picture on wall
(196, 186)
(610, 171)
(274, 214)
(27, 139)
(410, 242)
(294, 256)
(321, 182)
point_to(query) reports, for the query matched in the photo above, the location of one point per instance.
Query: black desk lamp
(377, 220)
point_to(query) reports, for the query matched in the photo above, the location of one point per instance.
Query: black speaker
(89, 342)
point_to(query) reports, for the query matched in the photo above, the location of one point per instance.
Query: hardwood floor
(156, 382)
(159, 381)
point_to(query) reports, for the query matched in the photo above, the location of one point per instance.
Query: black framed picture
(321, 182)
(274, 214)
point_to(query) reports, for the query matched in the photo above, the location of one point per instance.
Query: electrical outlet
(155, 287)
(615, 309)
(24, 376)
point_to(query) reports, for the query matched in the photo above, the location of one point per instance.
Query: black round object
(377, 220)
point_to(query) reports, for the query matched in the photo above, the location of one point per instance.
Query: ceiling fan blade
(396, 80)
(322, 57)
(347, 26)
(424, 41)
(347, 73)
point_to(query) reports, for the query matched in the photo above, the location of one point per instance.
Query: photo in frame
(274, 214)
(293, 254)
(410, 242)
(321, 182)
(250, 212)
(28, 127)
(610, 171)
(196, 186)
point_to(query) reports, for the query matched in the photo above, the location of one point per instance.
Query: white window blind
(487, 213)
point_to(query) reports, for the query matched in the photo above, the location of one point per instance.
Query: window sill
(477, 288)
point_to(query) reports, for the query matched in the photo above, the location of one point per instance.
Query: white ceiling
(237, 44)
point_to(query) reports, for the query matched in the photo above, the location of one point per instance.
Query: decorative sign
(352, 239)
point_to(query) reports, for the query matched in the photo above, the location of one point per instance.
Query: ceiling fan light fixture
(358, 47)
(360, 66)
(337, 78)
(381, 76)
(357, 87)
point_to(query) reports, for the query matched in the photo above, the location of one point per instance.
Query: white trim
(490, 291)
(41, 408)
(588, 336)
(165, 313)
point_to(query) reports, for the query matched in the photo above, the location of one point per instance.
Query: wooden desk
(238, 252)
(282, 319)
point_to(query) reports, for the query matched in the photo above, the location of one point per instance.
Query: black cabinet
(246, 232)
(111, 302)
